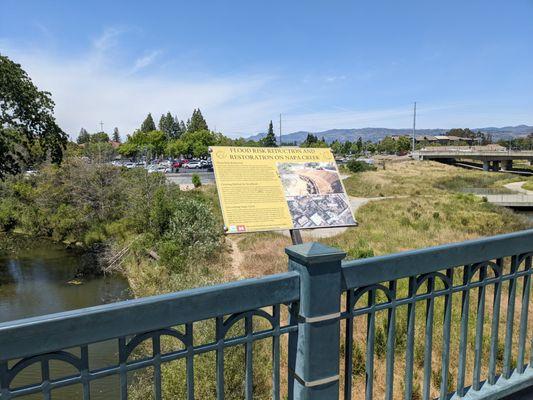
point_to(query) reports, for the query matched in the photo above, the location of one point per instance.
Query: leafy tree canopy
(144, 143)
(28, 129)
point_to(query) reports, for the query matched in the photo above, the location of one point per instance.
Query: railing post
(314, 349)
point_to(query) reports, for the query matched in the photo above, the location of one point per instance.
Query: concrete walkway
(517, 187)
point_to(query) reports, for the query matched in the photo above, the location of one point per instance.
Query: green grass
(414, 178)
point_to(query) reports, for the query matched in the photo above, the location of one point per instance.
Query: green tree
(116, 135)
(149, 144)
(403, 144)
(100, 137)
(28, 130)
(270, 139)
(387, 145)
(359, 145)
(197, 122)
(83, 136)
(166, 125)
(313, 141)
(148, 124)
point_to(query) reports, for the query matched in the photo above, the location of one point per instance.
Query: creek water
(38, 279)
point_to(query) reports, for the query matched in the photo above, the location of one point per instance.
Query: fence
(322, 295)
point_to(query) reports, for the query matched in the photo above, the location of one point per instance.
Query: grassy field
(428, 209)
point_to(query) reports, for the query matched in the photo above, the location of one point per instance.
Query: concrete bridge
(510, 200)
(493, 160)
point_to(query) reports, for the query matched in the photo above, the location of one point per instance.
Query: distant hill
(376, 134)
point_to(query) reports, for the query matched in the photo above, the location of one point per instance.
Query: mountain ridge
(376, 134)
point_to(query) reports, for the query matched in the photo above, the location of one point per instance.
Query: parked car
(193, 165)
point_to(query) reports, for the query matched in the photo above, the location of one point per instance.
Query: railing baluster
(248, 329)
(348, 348)
(409, 357)
(275, 354)
(84, 352)
(45, 374)
(494, 332)
(391, 337)
(4, 383)
(480, 319)
(123, 373)
(446, 330)
(190, 360)
(524, 317)
(370, 339)
(156, 351)
(463, 344)
(511, 297)
(220, 357)
(430, 309)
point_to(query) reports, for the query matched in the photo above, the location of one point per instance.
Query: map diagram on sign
(315, 195)
(262, 189)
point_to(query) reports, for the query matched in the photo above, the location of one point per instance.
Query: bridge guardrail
(479, 290)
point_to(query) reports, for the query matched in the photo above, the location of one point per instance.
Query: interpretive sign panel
(274, 188)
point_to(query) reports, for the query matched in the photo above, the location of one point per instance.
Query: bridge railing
(67, 338)
(451, 320)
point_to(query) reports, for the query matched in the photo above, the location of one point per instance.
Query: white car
(193, 165)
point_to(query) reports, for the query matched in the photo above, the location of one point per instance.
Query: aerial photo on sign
(279, 188)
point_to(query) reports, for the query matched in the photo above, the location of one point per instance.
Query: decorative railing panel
(451, 321)
(483, 292)
(139, 327)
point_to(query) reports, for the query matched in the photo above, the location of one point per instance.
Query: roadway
(184, 176)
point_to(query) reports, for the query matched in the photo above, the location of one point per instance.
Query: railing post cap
(314, 253)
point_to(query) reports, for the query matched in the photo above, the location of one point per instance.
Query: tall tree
(166, 125)
(116, 135)
(83, 136)
(197, 122)
(26, 119)
(270, 139)
(177, 130)
(148, 124)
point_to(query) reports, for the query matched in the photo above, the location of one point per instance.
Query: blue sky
(322, 64)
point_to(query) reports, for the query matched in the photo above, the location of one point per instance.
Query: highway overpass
(493, 160)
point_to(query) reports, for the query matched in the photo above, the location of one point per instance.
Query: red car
(179, 163)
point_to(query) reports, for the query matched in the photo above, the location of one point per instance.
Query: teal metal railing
(466, 305)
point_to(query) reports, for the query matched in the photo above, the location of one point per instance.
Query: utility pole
(101, 126)
(414, 128)
(280, 129)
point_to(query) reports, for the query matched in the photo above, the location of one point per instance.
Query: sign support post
(296, 236)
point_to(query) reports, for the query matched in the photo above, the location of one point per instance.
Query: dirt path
(237, 257)
(517, 187)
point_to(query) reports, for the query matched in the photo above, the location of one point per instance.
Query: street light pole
(414, 128)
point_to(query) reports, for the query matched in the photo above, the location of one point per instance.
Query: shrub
(193, 233)
(196, 181)
(359, 166)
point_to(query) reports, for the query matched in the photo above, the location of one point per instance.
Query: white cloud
(99, 85)
(146, 60)
(87, 89)
(335, 78)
